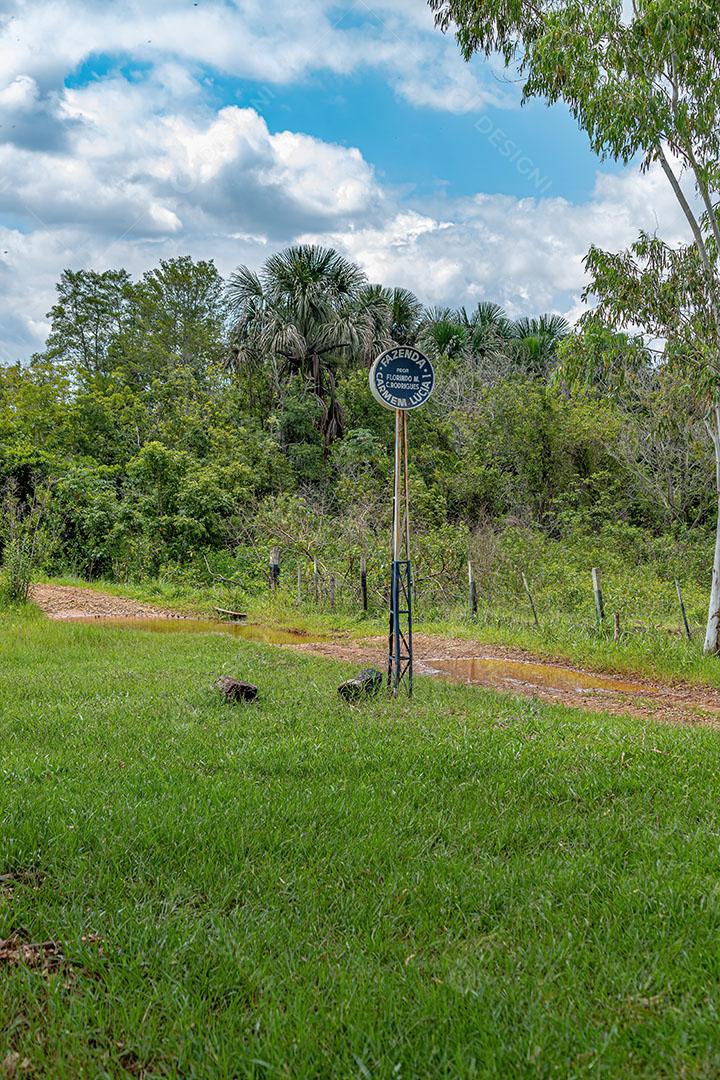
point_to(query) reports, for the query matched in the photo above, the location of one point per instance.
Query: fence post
(529, 596)
(316, 580)
(363, 581)
(473, 590)
(299, 583)
(616, 626)
(332, 592)
(599, 607)
(274, 568)
(688, 635)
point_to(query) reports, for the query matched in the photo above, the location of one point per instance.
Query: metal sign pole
(408, 579)
(400, 651)
(396, 494)
(400, 379)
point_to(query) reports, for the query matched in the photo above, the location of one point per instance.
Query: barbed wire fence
(359, 585)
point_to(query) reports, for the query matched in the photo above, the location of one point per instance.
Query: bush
(22, 543)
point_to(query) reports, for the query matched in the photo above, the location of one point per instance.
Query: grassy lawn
(473, 886)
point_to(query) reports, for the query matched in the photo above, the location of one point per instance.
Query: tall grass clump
(21, 533)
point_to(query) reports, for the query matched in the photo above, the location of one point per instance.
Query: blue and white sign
(402, 378)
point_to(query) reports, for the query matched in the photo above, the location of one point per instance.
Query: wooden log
(274, 569)
(234, 690)
(686, 624)
(363, 582)
(532, 602)
(367, 683)
(472, 591)
(237, 615)
(599, 606)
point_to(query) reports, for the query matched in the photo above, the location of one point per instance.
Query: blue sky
(421, 150)
(426, 151)
(228, 128)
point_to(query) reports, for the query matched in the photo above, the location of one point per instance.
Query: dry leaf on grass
(12, 1064)
(45, 956)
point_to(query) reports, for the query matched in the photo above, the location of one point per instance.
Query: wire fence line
(361, 585)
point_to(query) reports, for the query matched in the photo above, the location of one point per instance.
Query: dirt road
(519, 672)
(69, 602)
(498, 668)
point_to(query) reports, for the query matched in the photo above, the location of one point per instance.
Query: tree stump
(366, 684)
(233, 690)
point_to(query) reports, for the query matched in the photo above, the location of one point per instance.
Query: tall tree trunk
(712, 633)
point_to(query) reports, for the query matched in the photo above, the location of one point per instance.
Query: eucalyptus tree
(643, 81)
(91, 310)
(308, 311)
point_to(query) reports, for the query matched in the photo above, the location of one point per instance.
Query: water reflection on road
(549, 676)
(270, 635)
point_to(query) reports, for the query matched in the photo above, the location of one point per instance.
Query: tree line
(179, 425)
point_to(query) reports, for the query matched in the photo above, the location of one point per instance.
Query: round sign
(402, 378)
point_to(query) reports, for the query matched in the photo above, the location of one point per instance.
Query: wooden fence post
(616, 626)
(299, 583)
(363, 581)
(316, 580)
(529, 596)
(274, 568)
(599, 607)
(332, 592)
(688, 635)
(472, 590)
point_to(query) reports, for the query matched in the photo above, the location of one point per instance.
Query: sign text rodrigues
(402, 378)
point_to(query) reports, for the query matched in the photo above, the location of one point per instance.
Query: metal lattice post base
(400, 650)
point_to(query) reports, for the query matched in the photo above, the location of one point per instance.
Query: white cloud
(526, 254)
(124, 171)
(20, 94)
(249, 192)
(274, 42)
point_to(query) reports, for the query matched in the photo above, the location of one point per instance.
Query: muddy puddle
(524, 673)
(269, 635)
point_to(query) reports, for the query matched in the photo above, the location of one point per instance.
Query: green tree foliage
(643, 83)
(21, 541)
(91, 311)
(309, 312)
(197, 432)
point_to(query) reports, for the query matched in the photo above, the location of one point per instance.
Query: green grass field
(474, 886)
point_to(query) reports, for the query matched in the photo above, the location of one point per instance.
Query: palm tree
(480, 339)
(396, 314)
(308, 310)
(536, 342)
(405, 316)
(488, 330)
(443, 334)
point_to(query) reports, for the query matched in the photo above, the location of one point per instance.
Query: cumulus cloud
(139, 165)
(272, 42)
(137, 183)
(526, 254)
